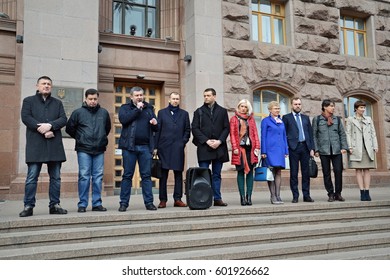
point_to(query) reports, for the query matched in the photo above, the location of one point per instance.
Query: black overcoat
(206, 125)
(172, 138)
(34, 111)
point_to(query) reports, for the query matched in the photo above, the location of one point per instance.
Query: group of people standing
(144, 134)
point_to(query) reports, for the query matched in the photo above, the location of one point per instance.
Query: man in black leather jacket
(89, 126)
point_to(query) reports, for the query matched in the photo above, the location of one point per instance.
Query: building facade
(259, 49)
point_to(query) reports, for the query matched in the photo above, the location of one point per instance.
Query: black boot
(362, 195)
(248, 200)
(243, 202)
(367, 195)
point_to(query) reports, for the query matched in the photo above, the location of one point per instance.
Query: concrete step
(96, 232)
(140, 246)
(366, 254)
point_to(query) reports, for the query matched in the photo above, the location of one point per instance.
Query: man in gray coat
(44, 116)
(330, 143)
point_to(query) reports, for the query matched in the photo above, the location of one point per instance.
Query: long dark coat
(35, 110)
(172, 138)
(206, 126)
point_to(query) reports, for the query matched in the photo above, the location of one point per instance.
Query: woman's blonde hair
(248, 105)
(273, 104)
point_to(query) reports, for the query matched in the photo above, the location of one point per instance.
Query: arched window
(348, 106)
(261, 99)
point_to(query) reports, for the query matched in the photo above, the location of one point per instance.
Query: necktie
(301, 135)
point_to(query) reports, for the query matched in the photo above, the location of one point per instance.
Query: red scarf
(243, 130)
(328, 117)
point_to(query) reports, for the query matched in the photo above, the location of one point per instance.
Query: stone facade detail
(314, 67)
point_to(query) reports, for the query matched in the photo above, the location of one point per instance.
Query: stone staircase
(320, 230)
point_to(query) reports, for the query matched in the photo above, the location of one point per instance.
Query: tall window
(268, 22)
(261, 99)
(135, 17)
(353, 36)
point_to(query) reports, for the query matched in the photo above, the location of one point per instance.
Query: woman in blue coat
(274, 148)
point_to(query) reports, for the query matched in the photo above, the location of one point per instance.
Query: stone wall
(310, 65)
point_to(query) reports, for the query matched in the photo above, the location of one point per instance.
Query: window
(135, 17)
(268, 22)
(261, 99)
(353, 36)
(349, 109)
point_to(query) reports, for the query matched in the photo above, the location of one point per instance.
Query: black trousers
(178, 188)
(337, 162)
(299, 156)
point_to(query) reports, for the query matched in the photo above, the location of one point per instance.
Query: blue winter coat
(172, 138)
(274, 142)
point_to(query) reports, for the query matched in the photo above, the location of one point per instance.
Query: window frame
(141, 28)
(273, 15)
(344, 30)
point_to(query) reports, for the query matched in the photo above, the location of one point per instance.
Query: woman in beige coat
(363, 145)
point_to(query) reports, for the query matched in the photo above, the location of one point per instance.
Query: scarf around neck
(328, 117)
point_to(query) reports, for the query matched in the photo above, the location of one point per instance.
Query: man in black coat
(44, 116)
(301, 147)
(171, 139)
(89, 126)
(210, 129)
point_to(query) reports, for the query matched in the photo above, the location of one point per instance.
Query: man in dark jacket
(210, 129)
(330, 142)
(44, 116)
(300, 147)
(137, 143)
(89, 126)
(171, 139)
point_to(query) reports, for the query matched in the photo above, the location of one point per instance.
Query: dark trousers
(178, 188)
(299, 156)
(337, 162)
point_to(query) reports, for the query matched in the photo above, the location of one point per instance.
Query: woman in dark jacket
(245, 148)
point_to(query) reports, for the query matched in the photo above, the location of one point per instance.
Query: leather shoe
(308, 199)
(81, 210)
(338, 197)
(27, 211)
(331, 198)
(219, 203)
(122, 208)
(295, 200)
(179, 203)
(99, 208)
(162, 204)
(57, 209)
(150, 207)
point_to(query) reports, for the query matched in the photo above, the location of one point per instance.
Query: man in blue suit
(301, 147)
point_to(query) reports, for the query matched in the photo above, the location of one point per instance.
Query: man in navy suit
(301, 147)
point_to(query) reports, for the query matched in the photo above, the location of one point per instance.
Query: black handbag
(313, 168)
(156, 167)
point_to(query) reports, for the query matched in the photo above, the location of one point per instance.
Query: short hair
(248, 105)
(212, 91)
(44, 78)
(358, 104)
(174, 92)
(295, 98)
(326, 103)
(91, 91)
(133, 89)
(273, 104)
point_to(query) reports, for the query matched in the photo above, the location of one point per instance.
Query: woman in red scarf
(245, 148)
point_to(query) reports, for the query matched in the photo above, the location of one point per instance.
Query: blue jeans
(216, 167)
(90, 166)
(143, 155)
(30, 190)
